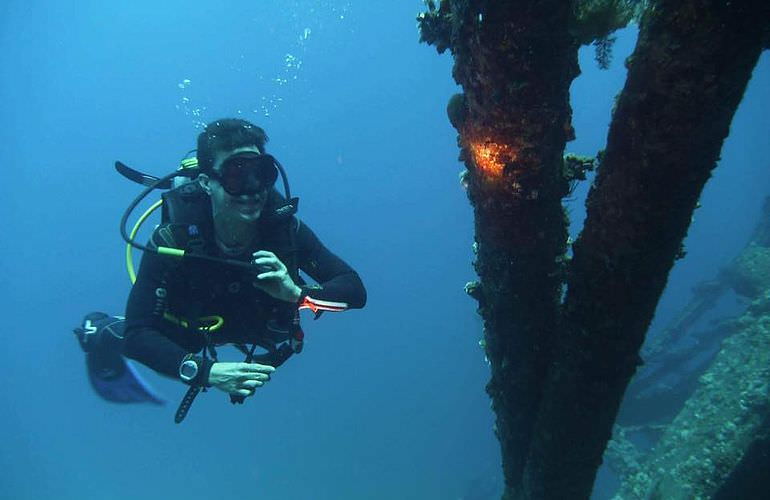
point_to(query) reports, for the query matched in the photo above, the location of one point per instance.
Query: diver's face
(245, 207)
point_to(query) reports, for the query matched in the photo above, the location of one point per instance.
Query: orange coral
(491, 157)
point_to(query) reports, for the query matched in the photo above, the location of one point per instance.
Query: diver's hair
(225, 135)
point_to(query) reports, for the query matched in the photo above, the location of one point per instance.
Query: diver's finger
(272, 275)
(256, 367)
(244, 392)
(265, 257)
(257, 376)
(267, 265)
(249, 384)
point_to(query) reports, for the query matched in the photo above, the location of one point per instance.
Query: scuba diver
(222, 268)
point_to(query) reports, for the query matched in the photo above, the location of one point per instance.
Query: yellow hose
(129, 255)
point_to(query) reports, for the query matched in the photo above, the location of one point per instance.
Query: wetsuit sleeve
(145, 341)
(338, 284)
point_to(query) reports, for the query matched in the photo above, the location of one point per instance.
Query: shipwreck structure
(563, 325)
(703, 397)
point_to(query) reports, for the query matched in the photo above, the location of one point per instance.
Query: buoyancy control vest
(186, 223)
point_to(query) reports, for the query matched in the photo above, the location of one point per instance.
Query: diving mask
(246, 173)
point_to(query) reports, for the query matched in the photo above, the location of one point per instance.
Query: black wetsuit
(198, 289)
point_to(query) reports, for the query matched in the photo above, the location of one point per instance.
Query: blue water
(384, 403)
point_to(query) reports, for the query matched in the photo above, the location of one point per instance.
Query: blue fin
(114, 379)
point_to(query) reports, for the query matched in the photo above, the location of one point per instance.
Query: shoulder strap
(187, 204)
(185, 217)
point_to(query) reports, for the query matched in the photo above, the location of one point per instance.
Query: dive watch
(188, 370)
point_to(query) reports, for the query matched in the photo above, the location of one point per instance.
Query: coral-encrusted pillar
(686, 78)
(558, 373)
(515, 61)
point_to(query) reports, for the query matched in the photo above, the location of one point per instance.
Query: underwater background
(386, 402)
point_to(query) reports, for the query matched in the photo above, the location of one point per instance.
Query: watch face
(188, 370)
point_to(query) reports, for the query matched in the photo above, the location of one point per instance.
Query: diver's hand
(240, 379)
(275, 280)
